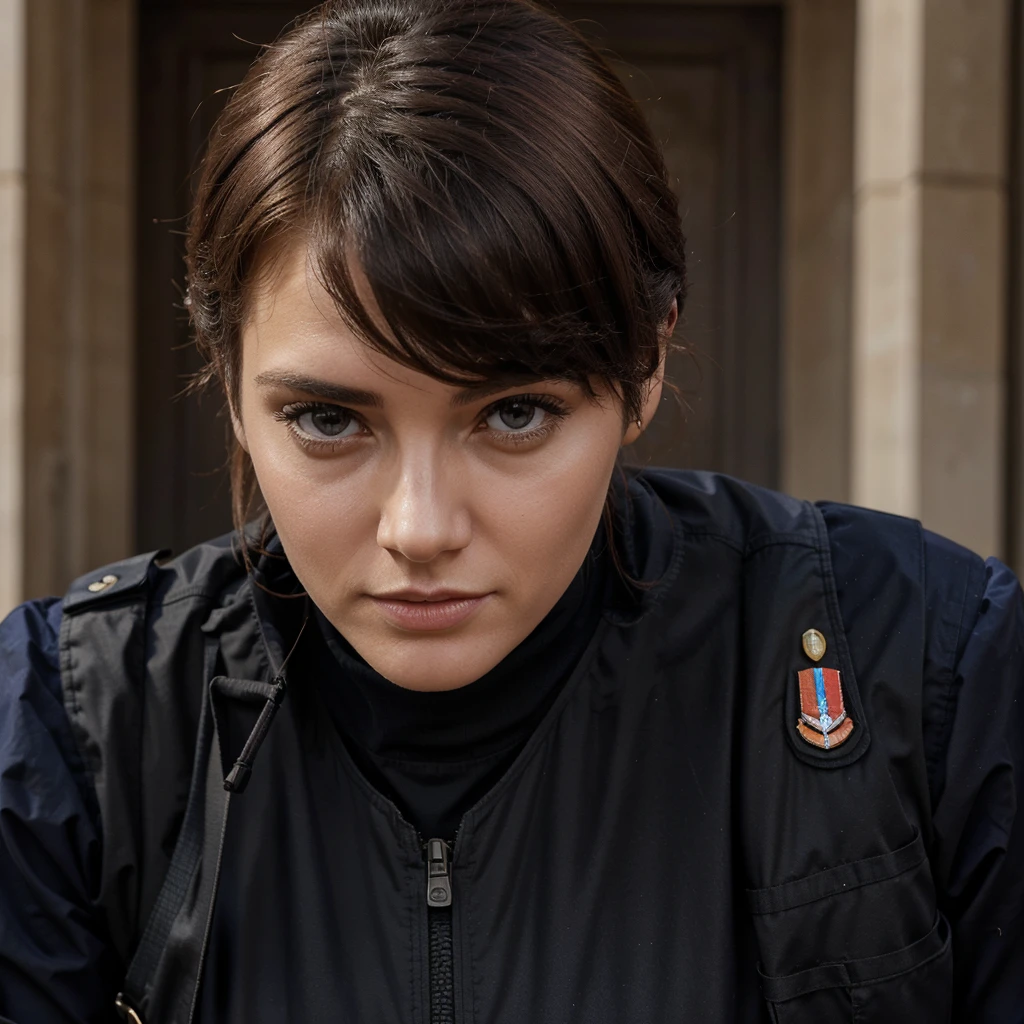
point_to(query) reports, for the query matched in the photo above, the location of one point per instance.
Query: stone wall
(12, 275)
(66, 447)
(895, 269)
(929, 388)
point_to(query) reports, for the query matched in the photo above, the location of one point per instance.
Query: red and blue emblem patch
(823, 720)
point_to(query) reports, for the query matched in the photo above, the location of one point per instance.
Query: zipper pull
(439, 879)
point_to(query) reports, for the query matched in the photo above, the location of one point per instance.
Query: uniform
(667, 844)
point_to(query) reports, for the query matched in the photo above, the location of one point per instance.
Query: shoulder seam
(757, 543)
(692, 534)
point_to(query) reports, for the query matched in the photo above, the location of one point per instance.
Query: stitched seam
(849, 863)
(268, 661)
(798, 901)
(949, 701)
(544, 729)
(474, 977)
(143, 627)
(137, 595)
(899, 974)
(187, 594)
(69, 690)
(380, 803)
(688, 533)
(415, 953)
(843, 967)
(792, 540)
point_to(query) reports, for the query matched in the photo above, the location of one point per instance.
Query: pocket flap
(842, 878)
(853, 973)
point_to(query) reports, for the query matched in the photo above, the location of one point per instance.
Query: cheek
(321, 517)
(541, 524)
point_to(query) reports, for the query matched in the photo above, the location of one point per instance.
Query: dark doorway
(709, 79)
(190, 54)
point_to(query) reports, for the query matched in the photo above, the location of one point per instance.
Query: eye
(321, 422)
(515, 415)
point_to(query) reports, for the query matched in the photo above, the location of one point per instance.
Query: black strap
(164, 974)
(163, 977)
(161, 961)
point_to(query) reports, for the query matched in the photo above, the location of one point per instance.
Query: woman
(471, 726)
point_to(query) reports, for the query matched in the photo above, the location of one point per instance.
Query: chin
(434, 663)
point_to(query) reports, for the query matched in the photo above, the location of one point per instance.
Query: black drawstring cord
(238, 778)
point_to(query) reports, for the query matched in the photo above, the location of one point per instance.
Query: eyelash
(294, 411)
(555, 409)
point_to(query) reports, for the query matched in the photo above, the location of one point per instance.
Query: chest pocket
(860, 943)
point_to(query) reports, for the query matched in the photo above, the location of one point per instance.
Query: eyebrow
(341, 394)
(338, 393)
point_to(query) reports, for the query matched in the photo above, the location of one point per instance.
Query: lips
(419, 595)
(417, 610)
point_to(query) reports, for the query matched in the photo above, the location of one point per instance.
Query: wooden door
(709, 81)
(708, 78)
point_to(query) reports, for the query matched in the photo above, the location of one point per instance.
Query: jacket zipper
(439, 932)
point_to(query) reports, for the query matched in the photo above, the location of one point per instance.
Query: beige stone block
(12, 87)
(961, 470)
(963, 240)
(885, 351)
(80, 320)
(889, 85)
(966, 73)
(11, 382)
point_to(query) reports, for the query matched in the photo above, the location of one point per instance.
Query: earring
(639, 424)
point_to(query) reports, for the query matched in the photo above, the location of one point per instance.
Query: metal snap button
(100, 585)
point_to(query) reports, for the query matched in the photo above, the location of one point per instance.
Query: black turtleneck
(435, 754)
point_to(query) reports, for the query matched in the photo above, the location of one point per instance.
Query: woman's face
(434, 526)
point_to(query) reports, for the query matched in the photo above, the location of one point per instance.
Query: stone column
(12, 244)
(929, 264)
(66, 311)
(77, 392)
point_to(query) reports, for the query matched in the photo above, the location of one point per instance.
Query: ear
(655, 384)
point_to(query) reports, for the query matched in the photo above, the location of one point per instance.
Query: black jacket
(666, 847)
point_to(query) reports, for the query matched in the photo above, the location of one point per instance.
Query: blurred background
(850, 181)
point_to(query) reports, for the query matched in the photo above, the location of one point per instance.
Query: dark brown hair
(481, 163)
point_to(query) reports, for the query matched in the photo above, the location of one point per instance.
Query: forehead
(294, 329)
(295, 338)
(285, 296)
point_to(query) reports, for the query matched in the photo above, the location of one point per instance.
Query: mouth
(427, 610)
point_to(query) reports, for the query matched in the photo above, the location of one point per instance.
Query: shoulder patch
(823, 720)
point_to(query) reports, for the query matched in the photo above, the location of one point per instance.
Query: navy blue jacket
(57, 963)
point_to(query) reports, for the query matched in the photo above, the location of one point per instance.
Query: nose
(422, 515)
